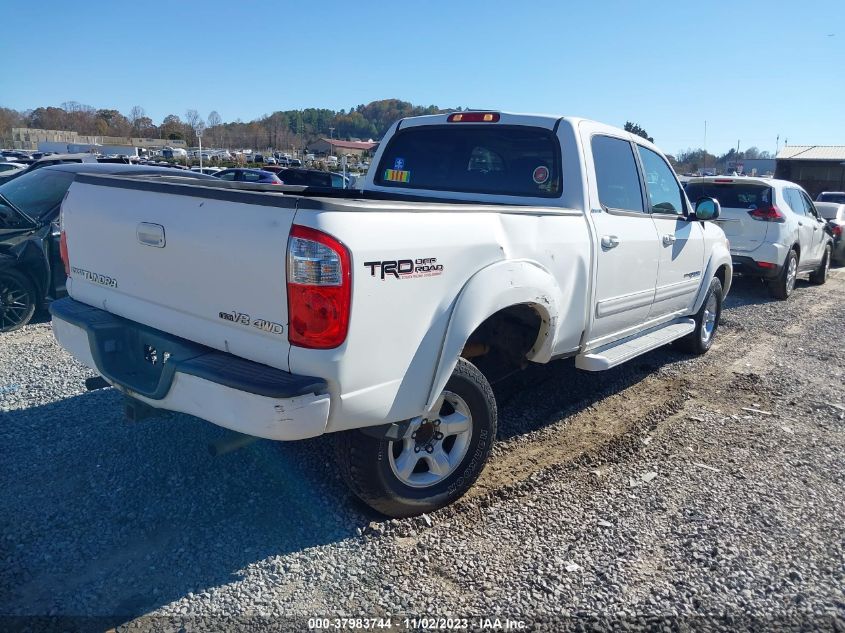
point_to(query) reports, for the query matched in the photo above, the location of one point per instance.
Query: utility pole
(331, 138)
(705, 145)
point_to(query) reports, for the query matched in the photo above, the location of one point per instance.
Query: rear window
(831, 211)
(731, 195)
(506, 160)
(831, 197)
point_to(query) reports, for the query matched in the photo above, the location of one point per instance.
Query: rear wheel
(17, 300)
(706, 321)
(819, 276)
(783, 286)
(439, 457)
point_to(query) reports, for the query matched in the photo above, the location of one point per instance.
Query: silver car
(774, 228)
(834, 213)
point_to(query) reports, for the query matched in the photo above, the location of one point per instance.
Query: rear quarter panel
(398, 325)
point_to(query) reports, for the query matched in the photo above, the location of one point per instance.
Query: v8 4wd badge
(242, 318)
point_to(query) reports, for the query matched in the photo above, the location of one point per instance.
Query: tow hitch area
(135, 410)
(97, 382)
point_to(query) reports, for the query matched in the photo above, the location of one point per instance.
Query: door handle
(668, 240)
(800, 223)
(609, 241)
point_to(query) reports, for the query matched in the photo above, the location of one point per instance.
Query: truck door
(627, 249)
(681, 241)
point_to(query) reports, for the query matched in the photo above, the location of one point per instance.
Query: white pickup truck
(479, 242)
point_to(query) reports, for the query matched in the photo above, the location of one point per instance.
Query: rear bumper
(167, 372)
(744, 265)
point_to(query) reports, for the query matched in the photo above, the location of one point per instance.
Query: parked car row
(775, 230)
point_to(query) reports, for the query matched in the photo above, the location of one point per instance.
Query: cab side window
(664, 192)
(617, 178)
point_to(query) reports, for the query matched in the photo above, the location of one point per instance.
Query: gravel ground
(700, 493)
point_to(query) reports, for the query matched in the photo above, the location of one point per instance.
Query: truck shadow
(117, 519)
(559, 390)
(110, 518)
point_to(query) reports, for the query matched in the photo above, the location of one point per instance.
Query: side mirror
(707, 209)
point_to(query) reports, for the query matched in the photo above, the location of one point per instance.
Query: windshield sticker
(399, 164)
(397, 175)
(541, 174)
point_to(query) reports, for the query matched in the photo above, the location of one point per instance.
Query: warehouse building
(29, 139)
(335, 147)
(817, 168)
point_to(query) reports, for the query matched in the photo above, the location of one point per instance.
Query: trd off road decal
(259, 324)
(405, 268)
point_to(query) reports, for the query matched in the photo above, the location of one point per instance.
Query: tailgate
(744, 232)
(203, 264)
(737, 198)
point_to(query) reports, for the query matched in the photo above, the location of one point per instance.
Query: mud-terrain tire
(426, 469)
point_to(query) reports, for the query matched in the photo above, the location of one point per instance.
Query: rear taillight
(319, 289)
(766, 265)
(63, 252)
(836, 230)
(767, 214)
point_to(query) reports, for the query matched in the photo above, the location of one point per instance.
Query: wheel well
(797, 249)
(498, 347)
(720, 273)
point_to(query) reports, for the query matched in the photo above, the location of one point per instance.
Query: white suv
(774, 229)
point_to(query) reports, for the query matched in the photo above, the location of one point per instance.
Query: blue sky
(753, 70)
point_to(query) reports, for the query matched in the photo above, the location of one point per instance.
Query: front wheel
(439, 457)
(17, 300)
(706, 321)
(819, 276)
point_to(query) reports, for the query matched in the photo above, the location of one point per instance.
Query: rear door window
(617, 178)
(251, 176)
(793, 199)
(809, 207)
(494, 159)
(731, 195)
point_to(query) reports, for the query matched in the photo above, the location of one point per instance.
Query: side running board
(623, 350)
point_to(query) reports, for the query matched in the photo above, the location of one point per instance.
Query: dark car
(307, 177)
(259, 176)
(31, 270)
(831, 196)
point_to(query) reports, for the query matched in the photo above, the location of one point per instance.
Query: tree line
(281, 129)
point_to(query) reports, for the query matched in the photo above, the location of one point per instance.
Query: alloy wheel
(434, 444)
(15, 303)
